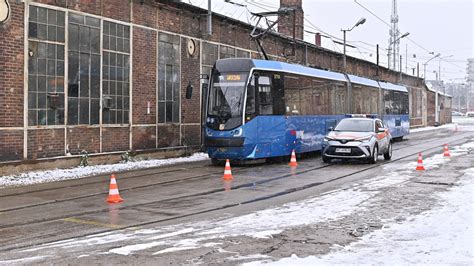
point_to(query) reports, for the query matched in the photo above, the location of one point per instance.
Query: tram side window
(250, 104)
(389, 102)
(292, 95)
(358, 102)
(396, 102)
(405, 109)
(305, 96)
(365, 99)
(374, 101)
(265, 99)
(340, 101)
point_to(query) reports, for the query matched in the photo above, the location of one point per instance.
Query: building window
(116, 70)
(168, 78)
(227, 52)
(83, 70)
(243, 54)
(45, 67)
(209, 57)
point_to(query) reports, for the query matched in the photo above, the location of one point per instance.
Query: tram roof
(363, 81)
(297, 69)
(393, 87)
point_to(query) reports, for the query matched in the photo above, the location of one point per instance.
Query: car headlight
(364, 139)
(328, 138)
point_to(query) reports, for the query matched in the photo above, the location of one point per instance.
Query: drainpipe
(209, 18)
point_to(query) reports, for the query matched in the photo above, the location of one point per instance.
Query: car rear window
(355, 125)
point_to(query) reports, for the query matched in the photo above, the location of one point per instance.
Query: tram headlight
(236, 133)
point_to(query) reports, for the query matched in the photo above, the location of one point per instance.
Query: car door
(382, 137)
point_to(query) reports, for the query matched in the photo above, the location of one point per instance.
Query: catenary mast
(394, 41)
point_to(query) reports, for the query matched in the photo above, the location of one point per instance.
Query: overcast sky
(439, 26)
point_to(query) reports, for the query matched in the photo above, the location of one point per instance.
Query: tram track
(431, 150)
(196, 177)
(125, 177)
(99, 181)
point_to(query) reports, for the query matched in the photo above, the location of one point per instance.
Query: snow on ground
(36, 177)
(446, 126)
(332, 205)
(443, 235)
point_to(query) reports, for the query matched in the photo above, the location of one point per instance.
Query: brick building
(109, 76)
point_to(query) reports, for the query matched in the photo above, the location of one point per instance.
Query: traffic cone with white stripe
(420, 166)
(446, 151)
(227, 171)
(293, 159)
(114, 196)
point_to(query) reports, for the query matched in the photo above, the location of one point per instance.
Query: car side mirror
(380, 130)
(330, 129)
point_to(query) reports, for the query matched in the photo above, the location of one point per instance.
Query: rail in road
(32, 216)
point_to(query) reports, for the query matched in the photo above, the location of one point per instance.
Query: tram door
(266, 90)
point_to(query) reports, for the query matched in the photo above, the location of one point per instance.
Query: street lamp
(436, 72)
(439, 71)
(424, 65)
(361, 21)
(390, 49)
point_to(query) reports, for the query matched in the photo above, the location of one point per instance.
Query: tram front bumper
(224, 142)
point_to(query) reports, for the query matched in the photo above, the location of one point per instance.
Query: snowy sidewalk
(443, 235)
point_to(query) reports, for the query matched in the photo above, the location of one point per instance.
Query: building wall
(445, 116)
(11, 85)
(140, 128)
(431, 108)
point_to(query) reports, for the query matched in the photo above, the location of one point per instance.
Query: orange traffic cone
(293, 159)
(446, 151)
(114, 196)
(227, 184)
(227, 171)
(420, 166)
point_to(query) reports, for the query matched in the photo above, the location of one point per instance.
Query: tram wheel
(217, 162)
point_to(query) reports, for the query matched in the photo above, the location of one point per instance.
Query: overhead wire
(387, 24)
(267, 7)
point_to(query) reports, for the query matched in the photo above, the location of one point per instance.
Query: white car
(470, 114)
(358, 138)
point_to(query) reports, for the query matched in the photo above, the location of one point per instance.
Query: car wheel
(375, 155)
(326, 159)
(388, 154)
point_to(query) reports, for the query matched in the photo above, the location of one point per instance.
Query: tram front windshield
(226, 100)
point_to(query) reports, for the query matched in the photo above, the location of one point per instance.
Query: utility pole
(406, 58)
(400, 67)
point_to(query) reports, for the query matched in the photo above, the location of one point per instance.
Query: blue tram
(259, 109)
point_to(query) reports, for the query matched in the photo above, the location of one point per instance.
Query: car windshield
(355, 125)
(226, 96)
